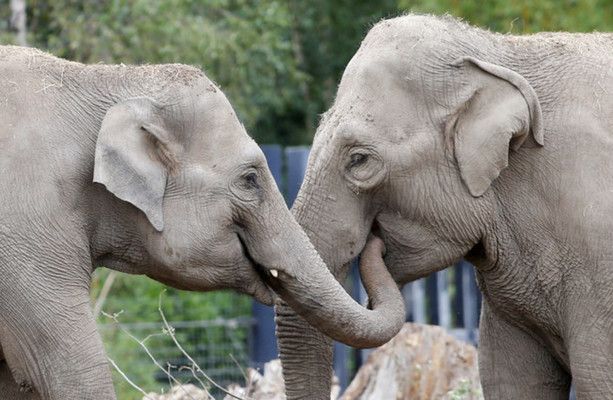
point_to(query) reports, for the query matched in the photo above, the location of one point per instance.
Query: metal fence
(448, 298)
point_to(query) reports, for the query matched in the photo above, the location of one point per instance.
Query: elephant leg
(10, 389)
(513, 365)
(47, 330)
(593, 376)
(53, 348)
(591, 359)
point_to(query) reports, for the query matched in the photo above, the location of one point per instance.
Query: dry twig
(104, 292)
(125, 377)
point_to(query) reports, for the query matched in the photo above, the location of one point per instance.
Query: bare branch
(193, 371)
(125, 377)
(239, 366)
(106, 288)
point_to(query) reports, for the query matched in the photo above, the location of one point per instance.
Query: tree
(18, 20)
(523, 16)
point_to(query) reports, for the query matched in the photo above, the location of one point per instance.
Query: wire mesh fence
(221, 348)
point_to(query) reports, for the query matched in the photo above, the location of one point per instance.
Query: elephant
(453, 141)
(144, 170)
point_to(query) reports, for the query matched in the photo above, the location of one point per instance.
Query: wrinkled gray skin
(145, 170)
(460, 142)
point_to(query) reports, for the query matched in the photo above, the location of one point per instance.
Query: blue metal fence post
(458, 298)
(438, 299)
(418, 303)
(264, 342)
(444, 311)
(470, 300)
(360, 296)
(432, 299)
(296, 158)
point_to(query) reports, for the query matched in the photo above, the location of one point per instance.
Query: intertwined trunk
(306, 356)
(296, 272)
(306, 352)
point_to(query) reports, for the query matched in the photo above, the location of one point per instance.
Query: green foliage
(137, 297)
(523, 16)
(464, 391)
(245, 46)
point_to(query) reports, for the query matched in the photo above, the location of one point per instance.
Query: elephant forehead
(375, 88)
(364, 121)
(212, 128)
(213, 112)
(228, 152)
(367, 73)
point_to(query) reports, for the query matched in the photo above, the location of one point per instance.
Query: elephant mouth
(260, 289)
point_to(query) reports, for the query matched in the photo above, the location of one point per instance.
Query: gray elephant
(145, 170)
(458, 142)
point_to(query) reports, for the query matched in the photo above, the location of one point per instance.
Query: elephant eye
(357, 159)
(251, 179)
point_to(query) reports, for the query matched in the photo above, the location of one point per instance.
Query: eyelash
(357, 159)
(252, 179)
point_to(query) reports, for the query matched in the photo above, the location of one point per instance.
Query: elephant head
(420, 129)
(200, 210)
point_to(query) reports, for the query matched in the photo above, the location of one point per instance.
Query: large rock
(422, 362)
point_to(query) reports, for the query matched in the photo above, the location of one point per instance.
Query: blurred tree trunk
(296, 40)
(18, 20)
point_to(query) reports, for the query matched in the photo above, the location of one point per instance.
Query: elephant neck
(523, 263)
(520, 234)
(115, 240)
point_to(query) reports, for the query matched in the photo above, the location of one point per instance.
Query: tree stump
(422, 362)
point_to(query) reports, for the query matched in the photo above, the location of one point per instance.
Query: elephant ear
(502, 111)
(133, 157)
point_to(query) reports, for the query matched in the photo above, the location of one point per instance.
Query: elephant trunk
(318, 297)
(306, 354)
(304, 282)
(313, 303)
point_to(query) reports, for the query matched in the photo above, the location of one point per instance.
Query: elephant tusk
(274, 273)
